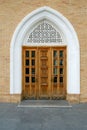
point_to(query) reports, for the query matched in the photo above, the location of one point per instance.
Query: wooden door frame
(51, 47)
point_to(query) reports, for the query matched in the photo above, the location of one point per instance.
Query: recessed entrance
(44, 72)
(44, 27)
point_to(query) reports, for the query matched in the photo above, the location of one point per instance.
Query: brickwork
(13, 11)
(16, 98)
(73, 98)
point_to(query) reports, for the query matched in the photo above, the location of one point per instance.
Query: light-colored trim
(71, 41)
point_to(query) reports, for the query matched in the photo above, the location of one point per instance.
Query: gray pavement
(13, 117)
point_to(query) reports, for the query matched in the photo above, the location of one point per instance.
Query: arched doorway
(69, 39)
(44, 62)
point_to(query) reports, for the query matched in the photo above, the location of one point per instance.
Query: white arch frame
(72, 43)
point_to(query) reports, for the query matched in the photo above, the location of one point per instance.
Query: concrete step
(44, 103)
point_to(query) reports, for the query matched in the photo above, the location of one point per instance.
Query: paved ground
(22, 118)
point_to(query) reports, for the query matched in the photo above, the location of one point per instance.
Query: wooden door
(58, 77)
(44, 72)
(29, 72)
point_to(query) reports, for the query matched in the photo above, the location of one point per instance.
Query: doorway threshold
(44, 104)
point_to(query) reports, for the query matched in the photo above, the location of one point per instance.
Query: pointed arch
(70, 40)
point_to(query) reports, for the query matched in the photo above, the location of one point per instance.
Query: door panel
(29, 72)
(58, 72)
(44, 72)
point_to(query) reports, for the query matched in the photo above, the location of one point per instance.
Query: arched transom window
(44, 32)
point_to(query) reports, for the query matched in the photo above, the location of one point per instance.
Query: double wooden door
(44, 72)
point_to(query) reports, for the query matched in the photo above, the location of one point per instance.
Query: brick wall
(13, 11)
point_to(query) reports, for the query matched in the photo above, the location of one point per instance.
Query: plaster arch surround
(69, 39)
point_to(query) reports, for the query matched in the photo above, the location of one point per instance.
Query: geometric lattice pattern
(44, 33)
